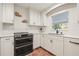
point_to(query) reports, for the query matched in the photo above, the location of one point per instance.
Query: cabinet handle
(74, 42)
(7, 39)
(51, 41)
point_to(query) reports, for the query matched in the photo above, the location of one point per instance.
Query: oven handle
(74, 42)
(24, 45)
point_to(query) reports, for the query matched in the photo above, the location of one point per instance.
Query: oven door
(23, 50)
(23, 41)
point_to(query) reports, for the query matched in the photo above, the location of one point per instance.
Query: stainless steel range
(23, 43)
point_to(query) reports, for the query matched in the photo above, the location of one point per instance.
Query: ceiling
(37, 6)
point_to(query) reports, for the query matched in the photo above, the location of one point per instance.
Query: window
(60, 21)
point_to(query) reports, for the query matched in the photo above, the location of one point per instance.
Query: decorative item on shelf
(18, 14)
(24, 21)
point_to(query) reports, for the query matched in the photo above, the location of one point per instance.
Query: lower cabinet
(71, 47)
(53, 44)
(7, 46)
(49, 43)
(36, 41)
(45, 42)
(0, 46)
(60, 46)
(57, 45)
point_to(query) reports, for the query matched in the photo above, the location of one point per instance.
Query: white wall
(73, 24)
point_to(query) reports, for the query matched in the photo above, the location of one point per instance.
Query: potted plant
(56, 28)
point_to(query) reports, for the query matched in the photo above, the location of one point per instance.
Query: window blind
(60, 18)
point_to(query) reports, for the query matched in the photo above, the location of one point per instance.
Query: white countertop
(11, 33)
(69, 36)
(6, 33)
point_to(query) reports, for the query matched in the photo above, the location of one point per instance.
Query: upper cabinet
(34, 17)
(29, 15)
(0, 17)
(8, 13)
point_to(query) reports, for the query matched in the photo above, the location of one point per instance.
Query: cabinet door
(71, 47)
(54, 45)
(48, 43)
(34, 17)
(0, 46)
(42, 41)
(36, 41)
(7, 46)
(8, 13)
(47, 21)
(57, 45)
(0, 17)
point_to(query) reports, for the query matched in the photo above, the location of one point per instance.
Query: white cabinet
(71, 47)
(0, 46)
(42, 18)
(57, 45)
(49, 43)
(53, 44)
(8, 13)
(47, 20)
(7, 46)
(34, 17)
(1, 11)
(36, 41)
(1, 17)
(42, 42)
(45, 42)
(60, 46)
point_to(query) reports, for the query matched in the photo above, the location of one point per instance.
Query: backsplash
(7, 27)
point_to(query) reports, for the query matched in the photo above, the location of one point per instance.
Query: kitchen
(25, 27)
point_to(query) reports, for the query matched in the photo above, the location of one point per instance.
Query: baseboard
(45, 50)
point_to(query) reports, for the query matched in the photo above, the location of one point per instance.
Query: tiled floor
(40, 52)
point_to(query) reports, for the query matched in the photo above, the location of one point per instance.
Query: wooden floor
(40, 52)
